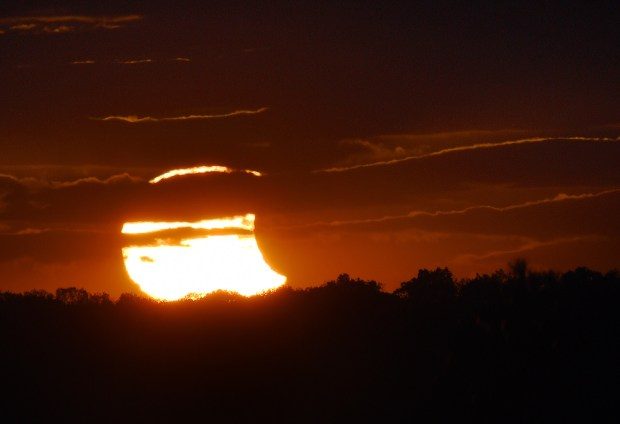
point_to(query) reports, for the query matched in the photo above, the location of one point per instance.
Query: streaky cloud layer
(561, 197)
(469, 147)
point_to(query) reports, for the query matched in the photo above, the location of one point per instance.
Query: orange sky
(389, 138)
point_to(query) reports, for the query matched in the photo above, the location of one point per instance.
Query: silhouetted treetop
(345, 282)
(435, 286)
(515, 346)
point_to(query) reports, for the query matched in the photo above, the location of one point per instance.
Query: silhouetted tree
(72, 296)
(345, 282)
(511, 346)
(518, 269)
(132, 299)
(435, 286)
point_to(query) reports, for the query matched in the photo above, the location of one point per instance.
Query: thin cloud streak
(33, 183)
(413, 214)
(526, 247)
(58, 29)
(386, 147)
(558, 198)
(83, 19)
(131, 61)
(23, 27)
(134, 61)
(466, 148)
(135, 119)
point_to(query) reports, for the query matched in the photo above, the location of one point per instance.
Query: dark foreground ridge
(513, 346)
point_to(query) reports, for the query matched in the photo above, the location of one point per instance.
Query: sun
(173, 260)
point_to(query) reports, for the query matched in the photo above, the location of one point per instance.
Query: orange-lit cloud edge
(475, 146)
(204, 169)
(135, 119)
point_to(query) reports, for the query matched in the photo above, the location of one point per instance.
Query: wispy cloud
(386, 147)
(528, 246)
(23, 27)
(134, 61)
(561, 197)
(32, 183)
(64, 23)
(123, 178)
(467, 148)
(135, 119)
(58, 29)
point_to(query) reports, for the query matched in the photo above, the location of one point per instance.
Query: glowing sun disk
(201, 265)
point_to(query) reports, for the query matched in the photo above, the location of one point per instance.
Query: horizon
(508, 274)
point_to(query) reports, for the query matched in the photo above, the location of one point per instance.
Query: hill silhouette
(512, 346)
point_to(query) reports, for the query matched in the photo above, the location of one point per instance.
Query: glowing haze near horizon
(198, 266)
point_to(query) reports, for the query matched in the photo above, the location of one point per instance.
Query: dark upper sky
(417, 104)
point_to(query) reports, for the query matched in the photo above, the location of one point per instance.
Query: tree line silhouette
(511, 346)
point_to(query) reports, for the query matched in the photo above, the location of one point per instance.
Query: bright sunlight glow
(245, 222)
(197, 266)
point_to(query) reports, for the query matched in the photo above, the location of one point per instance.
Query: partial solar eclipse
(174, 260)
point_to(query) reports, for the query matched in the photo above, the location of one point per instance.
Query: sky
(389, 137)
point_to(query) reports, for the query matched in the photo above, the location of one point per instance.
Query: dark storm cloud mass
(397, 136)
